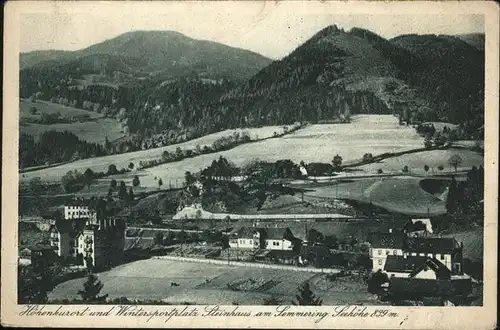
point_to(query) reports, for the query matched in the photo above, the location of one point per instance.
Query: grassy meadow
(95, 130)
(52, 108)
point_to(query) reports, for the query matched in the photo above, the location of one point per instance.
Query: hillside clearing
(52, 108)
(91, 131)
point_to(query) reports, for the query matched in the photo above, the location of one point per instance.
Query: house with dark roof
(280, 239)
(447, 250)
(416, 267)
(383, 245)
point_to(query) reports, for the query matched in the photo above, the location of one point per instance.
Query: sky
(272, 29)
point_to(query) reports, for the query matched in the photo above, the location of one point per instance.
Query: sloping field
(91, 131)
(208, 284)
(397, 194)
(404, 195)
(171, 171)
(432, 158)
(51, 108)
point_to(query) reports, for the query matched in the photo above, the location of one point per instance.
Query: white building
(384, 245)
(246, 238)
(446, 250)
(279, 239)
(82, 234)
(263, 238)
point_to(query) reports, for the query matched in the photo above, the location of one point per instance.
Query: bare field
(208, 284)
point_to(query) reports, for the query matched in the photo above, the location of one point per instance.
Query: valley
(186, 148)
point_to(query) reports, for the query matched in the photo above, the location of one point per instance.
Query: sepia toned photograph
(187, 156)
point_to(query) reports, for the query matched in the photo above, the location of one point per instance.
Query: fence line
(249, 264)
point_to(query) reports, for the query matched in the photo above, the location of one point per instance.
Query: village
(403, 263)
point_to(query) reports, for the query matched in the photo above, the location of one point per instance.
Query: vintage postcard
(253, 164)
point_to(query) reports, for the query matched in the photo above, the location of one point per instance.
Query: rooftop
(387, 240)
(414, 264)
(432, 245)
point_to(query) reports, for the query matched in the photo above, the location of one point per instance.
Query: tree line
(55, 147)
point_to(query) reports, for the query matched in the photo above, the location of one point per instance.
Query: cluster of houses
(410, 253)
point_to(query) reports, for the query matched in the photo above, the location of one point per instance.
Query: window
(442, 257)
(276, 243)
(387, 252)
(379, 252)
(395, 252)
(380, 262)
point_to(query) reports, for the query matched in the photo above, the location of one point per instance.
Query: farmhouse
(248, 238)
(280, 239)
(83, 235)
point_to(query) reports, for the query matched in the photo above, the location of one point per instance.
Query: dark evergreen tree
(89, 177)
(122, 191)
(91, 289)
(337, 162)
(135, 181)
(452, 199)
(131, 195)
(306, 297)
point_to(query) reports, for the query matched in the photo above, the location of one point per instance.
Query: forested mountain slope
(166, 87)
